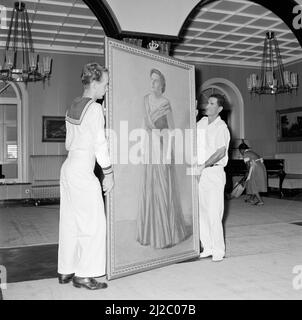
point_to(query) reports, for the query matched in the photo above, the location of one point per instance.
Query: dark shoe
(88, 283)
(65, 278)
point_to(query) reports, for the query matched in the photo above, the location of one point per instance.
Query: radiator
(51, 191)
(46, 176)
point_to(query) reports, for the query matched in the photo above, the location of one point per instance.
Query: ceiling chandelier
(21, 63)
(273, 78)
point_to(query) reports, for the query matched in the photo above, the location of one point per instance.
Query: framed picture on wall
(53, 129)
(289, 124)
(152, 211)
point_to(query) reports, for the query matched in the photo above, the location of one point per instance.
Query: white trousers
(211, 208)
(82, 228)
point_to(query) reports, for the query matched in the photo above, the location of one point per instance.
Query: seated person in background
(256, 180)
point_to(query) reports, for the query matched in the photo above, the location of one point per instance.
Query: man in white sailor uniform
(82, 229)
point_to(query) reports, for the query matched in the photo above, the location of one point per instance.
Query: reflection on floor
(30, 263)
(295, 195)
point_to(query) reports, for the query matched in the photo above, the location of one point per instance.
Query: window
(10, 133)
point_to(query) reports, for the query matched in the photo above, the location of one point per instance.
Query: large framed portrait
(152, 212)
(289, 124)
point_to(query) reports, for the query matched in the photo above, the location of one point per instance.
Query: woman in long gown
(82, 228)
(256, 181)
(160, 221)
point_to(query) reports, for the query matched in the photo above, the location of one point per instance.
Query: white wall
(155, 17)
(53, 98)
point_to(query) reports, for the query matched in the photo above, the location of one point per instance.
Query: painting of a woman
(160, 221)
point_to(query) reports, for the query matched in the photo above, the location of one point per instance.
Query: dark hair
(243, 146)
(92, 71)
(220, 99)
(161, 77)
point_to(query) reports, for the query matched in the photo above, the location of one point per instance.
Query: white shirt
(211, 137)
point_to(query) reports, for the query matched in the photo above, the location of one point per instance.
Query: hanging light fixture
(273, 78)
(21, 63)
